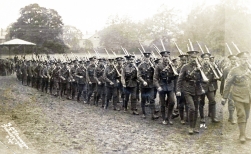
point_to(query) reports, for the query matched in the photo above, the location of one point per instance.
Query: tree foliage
(71, 36)
(41, 26)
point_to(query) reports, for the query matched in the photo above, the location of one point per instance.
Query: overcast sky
(91, 15)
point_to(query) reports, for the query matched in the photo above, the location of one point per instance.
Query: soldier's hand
(117, 81)
(80, 77)
(223, 101)
(145, 83)
(111, 83)
(90, 82)
(63, 78)
(159, 89)
(124, 85)
(99, 83)
(178, 93)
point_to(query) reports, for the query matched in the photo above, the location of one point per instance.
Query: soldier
(120, 89)
(111, 76)
(238, 85)
(181, 99)
(74, 84)
(64, 75)
(129, 82)
(51, 80)
(45, 77)
(164, 81)
(24, 73)
(34, 75)
(100, 87)
(90, 79)
(189, 81)
(145, 76)
(231, 107)
(56, 78)
(29, 71)
(37, 74)
(209, 88)
(82, 86)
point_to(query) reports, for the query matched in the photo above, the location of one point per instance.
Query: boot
(169, 115)
(231, 118)
(213, 113)
(191, 119)
(195, 130)
(163, 111)
(154, 116)
(242, 127)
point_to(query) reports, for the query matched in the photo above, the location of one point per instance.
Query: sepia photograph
(125, 77)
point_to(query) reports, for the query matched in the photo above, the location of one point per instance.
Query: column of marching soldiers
(182, 83)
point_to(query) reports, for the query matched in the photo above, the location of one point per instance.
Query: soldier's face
(147, 59)
(130, 61)
(165, 58)
(206, 60)
(233, 61)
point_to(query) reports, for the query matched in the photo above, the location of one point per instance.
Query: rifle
(200, 47)
(229, 49)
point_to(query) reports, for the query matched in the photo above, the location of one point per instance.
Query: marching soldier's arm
(60, 74)
(95, 75)
(105, 75)
(41, 72)
(123, 77)
(228, 84)
(87, 75)
(223, 79)
(76, 73)
(156, 77)
(181, 78)
(139, 74)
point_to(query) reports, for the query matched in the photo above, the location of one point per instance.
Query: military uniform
(82, 85)
(164, 81)
(238, 84)
(145, 76)
(111, 77)
(100, 86)
(189, 81)
(181, 99)
(74, 83)
(90, 80)
(209, 88)
(64, 75)
(56, 79)
(129, 82)
(226, 70)
(24, 73)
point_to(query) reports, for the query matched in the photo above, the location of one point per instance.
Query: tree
(218, 24)
(121, 32)
(39, 25)
(71, 36)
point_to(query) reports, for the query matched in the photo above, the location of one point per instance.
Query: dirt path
(50, 125)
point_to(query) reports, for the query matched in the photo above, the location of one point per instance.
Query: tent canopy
(16, 42)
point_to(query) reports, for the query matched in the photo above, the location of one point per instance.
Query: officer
(129, 82)
(90, 79)
(111, 78)
(209, 88)
(100, 86)
(226, 70)
(164, 81)
(145, 76)
(189, 81)
(238, 85)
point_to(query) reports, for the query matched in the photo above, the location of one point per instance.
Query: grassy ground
(52, 125)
